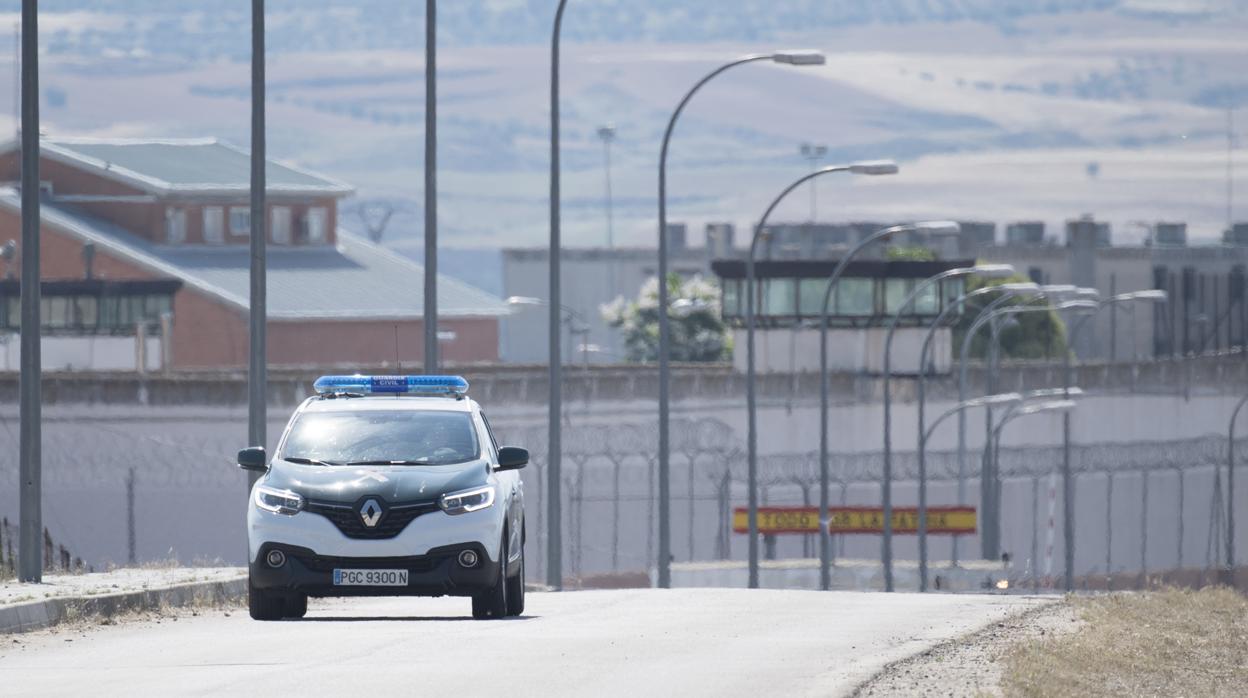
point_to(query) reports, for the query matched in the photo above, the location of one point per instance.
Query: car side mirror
(512, 458)
(253, 458)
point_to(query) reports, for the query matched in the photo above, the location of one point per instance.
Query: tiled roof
(354, 279)
(183, 165)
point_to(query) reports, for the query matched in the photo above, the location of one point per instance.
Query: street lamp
(825, 543)
(554, 420)
(607, 134)
(788, 57)
(924, 436)
(987, 314)
(1087, 309)
(988, 271)
(570, 318)
(861, 168)
(1008, 290)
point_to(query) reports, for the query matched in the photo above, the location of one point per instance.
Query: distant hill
(336, 25)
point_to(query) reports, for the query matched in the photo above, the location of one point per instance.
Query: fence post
(1109, 531)
(48, 561)
(1035, 532)
(1144, 530)
(130, 530)
(1179, 566)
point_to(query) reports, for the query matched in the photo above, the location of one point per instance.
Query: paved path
(634, 642)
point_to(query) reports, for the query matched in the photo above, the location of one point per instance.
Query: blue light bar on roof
(414, 385)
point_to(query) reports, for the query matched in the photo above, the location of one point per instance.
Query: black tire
(296, 605)
(264, 605)
(492, 603)
(515, 588)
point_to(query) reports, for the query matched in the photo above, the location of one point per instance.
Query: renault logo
(370, 512)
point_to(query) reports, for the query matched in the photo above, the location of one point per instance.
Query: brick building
(144, 258)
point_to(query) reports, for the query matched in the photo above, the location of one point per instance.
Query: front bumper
(436, 573)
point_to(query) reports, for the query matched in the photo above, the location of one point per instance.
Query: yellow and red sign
(800, 519)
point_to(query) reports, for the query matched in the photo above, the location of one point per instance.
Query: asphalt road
(722, 642)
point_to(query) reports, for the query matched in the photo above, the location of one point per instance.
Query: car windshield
(375, 437)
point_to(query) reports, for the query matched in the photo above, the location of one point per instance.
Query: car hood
(393, 483)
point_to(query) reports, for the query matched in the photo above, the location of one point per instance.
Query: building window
(732, 298)
(316, 225)
(810, 297)
(214, 225)
(895, 291)
(779, 297)
(281, 225)
(240, 221)
(855, 297)
(175, 226)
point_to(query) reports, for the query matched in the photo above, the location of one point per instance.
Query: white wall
(857, 350)
(84, 353)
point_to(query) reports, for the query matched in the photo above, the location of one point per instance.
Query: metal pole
(825, 537)
(1230, 488)
(886, 548)
(607, 133)
(30, 548)
(257, 373)
(750, 402)
(963, 359)
(132, 555)
(664, 474)
(554, 549)
(924, 353)
(431, 188)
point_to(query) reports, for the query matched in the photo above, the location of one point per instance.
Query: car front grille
(347, 519)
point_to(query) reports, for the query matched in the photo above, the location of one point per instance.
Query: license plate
(370, 578)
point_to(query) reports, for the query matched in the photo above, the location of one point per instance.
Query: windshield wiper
(306, 461)
(420, 461)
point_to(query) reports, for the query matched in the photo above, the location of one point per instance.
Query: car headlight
(467, 500)
(278, 501)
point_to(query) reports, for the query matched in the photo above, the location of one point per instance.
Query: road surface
(722, 642)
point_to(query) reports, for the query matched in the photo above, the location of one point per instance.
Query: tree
(698, 333)
(1030, 335)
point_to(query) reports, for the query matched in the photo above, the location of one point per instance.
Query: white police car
(386, 486)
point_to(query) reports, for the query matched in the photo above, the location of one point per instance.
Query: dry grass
(1166, 643)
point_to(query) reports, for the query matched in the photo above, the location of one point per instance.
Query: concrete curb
(35, 615)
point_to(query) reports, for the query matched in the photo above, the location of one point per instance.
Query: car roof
(389, 403)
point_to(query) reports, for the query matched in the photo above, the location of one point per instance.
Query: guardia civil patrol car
(381, 486)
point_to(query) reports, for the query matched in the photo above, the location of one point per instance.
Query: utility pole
(130, 532)
(431, 187)
(30, 452)
(257, 373)
(607, 134)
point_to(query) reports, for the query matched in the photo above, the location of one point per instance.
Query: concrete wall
(179, 435)
(796, 350)
(92, 353)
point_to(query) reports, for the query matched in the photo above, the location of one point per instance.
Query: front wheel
(492, 603)
(264, 605)
(515, 590)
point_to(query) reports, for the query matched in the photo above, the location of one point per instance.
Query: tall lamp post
(257, 310)
(554, 469)
(985, 315)
(30, 452)
(862, 168)
(1068, 484)
(925, 435)
(987, 271)
(825, 536)
(1007, 290)
(606, 132)
(431, 187)
(796, 58)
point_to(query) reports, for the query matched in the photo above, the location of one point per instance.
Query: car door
(512, 488)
